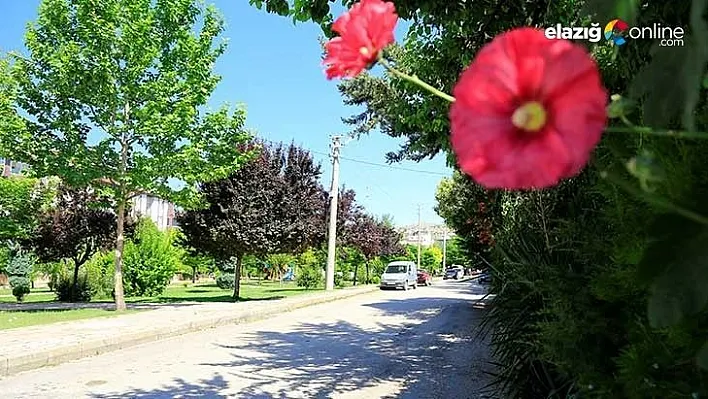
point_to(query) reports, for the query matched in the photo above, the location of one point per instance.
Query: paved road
(388, 344)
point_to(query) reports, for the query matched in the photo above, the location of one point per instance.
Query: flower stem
(679, 134)
(415, 80)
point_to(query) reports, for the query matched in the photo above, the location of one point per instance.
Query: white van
(400, 274)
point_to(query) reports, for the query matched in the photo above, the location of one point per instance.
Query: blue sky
(273, 67)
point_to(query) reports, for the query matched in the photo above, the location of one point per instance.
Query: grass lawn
(250, 291)
(15, 319)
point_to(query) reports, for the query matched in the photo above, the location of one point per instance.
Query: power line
(387, 166)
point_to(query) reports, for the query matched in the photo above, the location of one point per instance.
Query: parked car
(454, 272)
(400, 274)
(424, 278)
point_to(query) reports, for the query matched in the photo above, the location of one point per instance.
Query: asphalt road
(390, 344)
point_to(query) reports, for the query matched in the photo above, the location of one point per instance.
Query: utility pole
(419, 235)
(444, 264)
(334, 197)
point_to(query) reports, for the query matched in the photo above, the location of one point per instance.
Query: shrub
(19, 268)
(309, 277)
(99, 273)
(64, 288)
(339, 279)
(150, 261)
(225, 281)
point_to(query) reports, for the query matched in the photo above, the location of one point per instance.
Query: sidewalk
(28, 348)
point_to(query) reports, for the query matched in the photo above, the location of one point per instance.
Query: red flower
(363, 32)
(528, 111)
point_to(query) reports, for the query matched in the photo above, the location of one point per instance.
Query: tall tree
(113, 90)
(77, 227)
(373, 238)
(274, 204)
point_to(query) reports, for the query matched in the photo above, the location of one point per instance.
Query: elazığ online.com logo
(618, 32)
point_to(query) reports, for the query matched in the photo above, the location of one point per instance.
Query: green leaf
(705, 81)
(604, 11)
(682, 289)
(670, 83)
(666, 235)
(702, 357)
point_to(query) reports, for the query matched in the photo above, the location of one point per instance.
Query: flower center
(530, 117)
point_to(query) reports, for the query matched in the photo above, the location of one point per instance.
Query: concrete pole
(444, 263)
(419, 235)
(334, 196)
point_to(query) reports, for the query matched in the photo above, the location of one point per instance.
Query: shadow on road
(435, 354)
(181, 389)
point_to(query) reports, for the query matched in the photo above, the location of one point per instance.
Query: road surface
(390, 344)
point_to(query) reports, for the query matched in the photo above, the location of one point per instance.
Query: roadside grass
(27, 318)
(176, 293)
(250, 291)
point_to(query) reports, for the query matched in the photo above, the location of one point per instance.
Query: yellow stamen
(365, 51)
(530, 117)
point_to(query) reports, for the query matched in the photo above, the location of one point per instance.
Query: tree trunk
(194, 274)
(356, 272)
(75, 284)
(120, 242)
(367, 272)
(237, 278)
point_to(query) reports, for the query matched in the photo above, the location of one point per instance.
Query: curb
(13, 365)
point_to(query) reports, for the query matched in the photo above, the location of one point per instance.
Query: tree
(22, 201)
(277, 265)
(136, 74)
(471, 211)
(274, 204)
(19, 268)
(431, 258)
(78, 226)
(372, 237)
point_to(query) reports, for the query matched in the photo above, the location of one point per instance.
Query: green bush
(19, 268)
(64, 288)
(99, 272)
(339, 280)
(151, 260)
(309, 277)
(225, 281)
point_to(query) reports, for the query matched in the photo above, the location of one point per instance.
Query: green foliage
(18, 270)
(67, 292)
(431, 258)
(135, 72)
(100, 273)
(277, 264)
(274, 205)
(4, 258)
(309, 277)
(151, 260)
(22, 201)
(225, 281)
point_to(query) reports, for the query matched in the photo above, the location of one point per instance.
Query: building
(160, 211)
(11, 168)
(427, 234)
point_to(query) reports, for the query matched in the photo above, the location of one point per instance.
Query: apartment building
(427, 234)
(160, 211)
